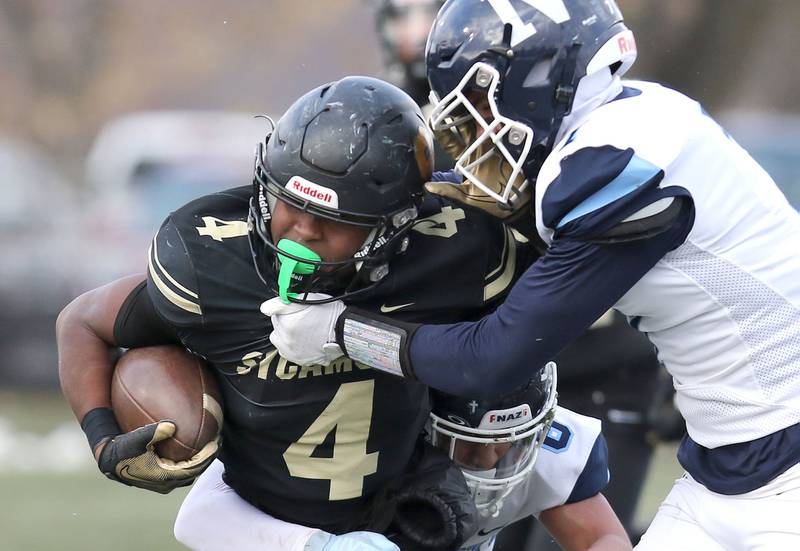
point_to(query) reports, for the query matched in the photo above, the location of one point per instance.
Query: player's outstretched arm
(588, 525)
(213, 517)
(85, 335)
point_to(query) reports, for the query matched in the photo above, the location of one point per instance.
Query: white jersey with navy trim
(571, 466)
(723, 308)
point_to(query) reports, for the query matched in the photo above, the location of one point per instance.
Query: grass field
(83, 511)
(79, 510)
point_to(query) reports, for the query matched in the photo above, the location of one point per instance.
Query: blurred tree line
(68, 66)
(729, 54)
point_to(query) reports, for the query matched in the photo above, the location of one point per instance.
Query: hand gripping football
(167, 383)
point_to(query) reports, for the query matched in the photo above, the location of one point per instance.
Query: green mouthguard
(291, 266)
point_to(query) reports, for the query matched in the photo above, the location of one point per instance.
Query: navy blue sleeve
(138, 324)
(553, 303)
(594, 477)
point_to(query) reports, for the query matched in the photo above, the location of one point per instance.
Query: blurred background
(112, 113)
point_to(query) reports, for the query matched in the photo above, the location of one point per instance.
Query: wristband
(99, 424)
(377, 341)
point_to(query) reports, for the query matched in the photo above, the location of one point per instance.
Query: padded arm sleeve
(138, 324)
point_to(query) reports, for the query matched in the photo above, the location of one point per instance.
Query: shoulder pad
(596, 188)
(652, 220)
(205, 232)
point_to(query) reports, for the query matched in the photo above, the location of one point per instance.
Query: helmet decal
(315, 193)
(505, 418)
(555, 10)
(457, 420)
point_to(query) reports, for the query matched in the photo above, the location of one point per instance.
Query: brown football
(156, 383)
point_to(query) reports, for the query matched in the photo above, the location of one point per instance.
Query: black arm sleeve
(138, 324)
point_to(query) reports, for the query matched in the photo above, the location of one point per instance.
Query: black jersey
(312, 444)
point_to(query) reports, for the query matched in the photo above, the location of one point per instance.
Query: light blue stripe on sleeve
(637, 173)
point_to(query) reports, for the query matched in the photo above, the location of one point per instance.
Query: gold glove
(130, 458)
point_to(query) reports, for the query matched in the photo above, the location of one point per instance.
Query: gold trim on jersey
(508, 264)
(166, 274)
(169, 294)
(518, 237)
(500, 266)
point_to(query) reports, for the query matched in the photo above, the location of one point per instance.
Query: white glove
(305, 334)
(354, 541)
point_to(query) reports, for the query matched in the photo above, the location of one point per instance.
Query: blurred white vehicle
(38, 224)
(55, 244)
(144, 165)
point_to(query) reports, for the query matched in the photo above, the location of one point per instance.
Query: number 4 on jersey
(553, 9)
(349, 413)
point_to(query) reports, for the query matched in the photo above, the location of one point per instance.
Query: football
(167, 383)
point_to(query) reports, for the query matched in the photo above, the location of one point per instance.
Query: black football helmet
(520, 60)
(356, 151)
(516, 424)
(402, 27)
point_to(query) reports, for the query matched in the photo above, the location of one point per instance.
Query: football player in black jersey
(521, 456)
(342, 175)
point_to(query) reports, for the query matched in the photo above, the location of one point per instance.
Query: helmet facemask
(489, 153)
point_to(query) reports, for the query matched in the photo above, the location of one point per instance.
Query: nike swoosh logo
(483, 532)
(386, 309)
(125, 472)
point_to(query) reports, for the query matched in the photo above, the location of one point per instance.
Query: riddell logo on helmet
(313, 192)
(626, 43)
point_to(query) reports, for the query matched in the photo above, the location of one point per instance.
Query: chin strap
(564, 94)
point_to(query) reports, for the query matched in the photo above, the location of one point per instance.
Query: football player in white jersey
(644, 204)
(521, 455)
(608, 385)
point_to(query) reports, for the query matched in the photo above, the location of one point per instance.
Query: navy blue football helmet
(495, 442)
(504, 73)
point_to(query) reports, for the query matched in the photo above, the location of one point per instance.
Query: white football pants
(214, 518)
(693, 518)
